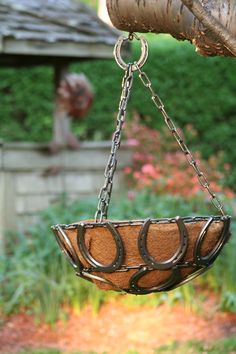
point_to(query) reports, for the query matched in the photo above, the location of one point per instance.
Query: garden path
(118, 328)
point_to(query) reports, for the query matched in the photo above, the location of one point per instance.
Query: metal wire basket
(143, 256)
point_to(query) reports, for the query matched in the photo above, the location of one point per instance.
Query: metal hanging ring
(144, 52)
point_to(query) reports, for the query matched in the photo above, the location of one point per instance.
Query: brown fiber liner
(163, 239)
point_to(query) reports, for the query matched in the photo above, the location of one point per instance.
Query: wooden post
(61, 122)
(8, 195)
(2, 207)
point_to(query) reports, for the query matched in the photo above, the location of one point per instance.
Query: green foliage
(36, 278)
(196, 90)
(34, 272)
(91, 3)
(26, 104)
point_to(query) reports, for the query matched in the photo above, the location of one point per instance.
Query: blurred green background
(196, 90)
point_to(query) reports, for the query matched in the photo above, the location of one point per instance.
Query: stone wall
(31, 179)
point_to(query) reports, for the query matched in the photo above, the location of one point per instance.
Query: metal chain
(105, 192)
(171, 126)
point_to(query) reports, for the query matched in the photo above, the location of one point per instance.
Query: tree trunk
(212, 30)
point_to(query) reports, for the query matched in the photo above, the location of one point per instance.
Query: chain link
(105, 192)
(171, 126)
(127, 82)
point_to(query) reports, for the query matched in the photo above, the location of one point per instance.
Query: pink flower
(127, 170)
(167, 170)
(149, 169)
(229, 193)
(227, 167)
(132, 142)
(137, 175)
(131, 195)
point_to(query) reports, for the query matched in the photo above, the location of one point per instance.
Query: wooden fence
(31, 179)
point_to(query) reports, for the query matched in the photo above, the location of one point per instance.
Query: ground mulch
(117, 328)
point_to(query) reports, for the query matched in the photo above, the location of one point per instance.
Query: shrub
(26, 104)
(160, 166)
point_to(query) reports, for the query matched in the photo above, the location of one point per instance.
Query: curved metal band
(192, 276)
(212, 255)
(67, 248)
(142, 60)
(142, 245)
(116, 264)
(92, 277)
(138, 290)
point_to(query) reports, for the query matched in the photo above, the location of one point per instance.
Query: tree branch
(211, 24)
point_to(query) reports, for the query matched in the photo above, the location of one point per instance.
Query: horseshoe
(116, 264)
(142, 245)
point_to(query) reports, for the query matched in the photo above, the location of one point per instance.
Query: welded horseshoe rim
(212, 255)
(116, 264)
(67, 248)
(142, 245)
(138, 64)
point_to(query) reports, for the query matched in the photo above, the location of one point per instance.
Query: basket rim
(138, 222)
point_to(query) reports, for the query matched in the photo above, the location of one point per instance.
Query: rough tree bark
(212, 29)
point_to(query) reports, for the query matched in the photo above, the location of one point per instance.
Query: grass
(222, 346)
(36, 278)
